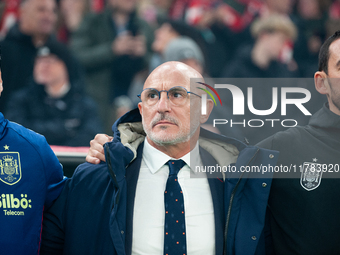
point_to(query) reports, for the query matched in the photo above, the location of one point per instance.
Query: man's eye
(152, 95)
(177, 95)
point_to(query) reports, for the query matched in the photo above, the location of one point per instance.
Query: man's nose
(164, 102)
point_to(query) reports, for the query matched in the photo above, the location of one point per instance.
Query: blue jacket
(31, 178)
(94, 213)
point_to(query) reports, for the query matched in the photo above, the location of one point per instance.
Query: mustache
(161, 117)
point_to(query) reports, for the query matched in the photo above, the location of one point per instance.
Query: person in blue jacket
(118, 206)
(31, 178)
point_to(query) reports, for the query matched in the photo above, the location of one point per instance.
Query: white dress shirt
(148, 215)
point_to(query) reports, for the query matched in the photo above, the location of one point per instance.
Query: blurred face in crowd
(165, 123)
(38, 16)
(49, 70)
(275, 42)
(125, 6)
(163, 35)
(309, 9)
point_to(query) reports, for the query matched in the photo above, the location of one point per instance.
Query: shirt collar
(155, 159)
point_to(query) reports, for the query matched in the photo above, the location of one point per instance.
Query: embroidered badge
(10, 168)
(311, 175)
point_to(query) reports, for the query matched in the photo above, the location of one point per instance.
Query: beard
(335, 96)
(185, 131)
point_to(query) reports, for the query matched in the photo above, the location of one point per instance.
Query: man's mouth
(164, 122)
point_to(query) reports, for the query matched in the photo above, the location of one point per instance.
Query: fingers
(92, 160)
(126, 44)
(96, 151)
(121, 45)
(101, 139)
(95, 154)
(139, 48)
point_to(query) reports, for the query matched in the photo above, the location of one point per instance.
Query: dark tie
(174, 225)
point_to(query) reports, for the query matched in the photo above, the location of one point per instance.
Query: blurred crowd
(72, 67)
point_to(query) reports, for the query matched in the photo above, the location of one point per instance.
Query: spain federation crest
(310, 175)
(10, 167)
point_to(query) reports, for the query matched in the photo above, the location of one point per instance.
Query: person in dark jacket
(260, 60)
(263, 58)
(31, 178)
(118, 207)
(34, 29)
(54, 105)
(112, 46)
(303, 208)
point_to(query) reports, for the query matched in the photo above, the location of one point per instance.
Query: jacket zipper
(112, 174)
(231, 203)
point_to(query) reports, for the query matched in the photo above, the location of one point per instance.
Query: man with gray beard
(148, 198)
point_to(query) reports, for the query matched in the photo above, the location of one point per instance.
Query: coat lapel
(132, 173)
(217, 191)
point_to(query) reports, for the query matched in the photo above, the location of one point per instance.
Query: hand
(96, 151)
(123, 44)
(139, 48)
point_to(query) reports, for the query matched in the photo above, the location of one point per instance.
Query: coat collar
(325, 118)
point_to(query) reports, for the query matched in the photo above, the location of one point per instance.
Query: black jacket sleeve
(53, 234)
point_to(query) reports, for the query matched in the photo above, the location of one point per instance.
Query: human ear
(210, 106)
(321, 82)
(140, 108)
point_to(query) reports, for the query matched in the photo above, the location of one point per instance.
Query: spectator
(311, 23)
(31, 178)
(35, 28)
(72, 13)
(170, 30)
(52, 104)
(228, 23)
(262, 59)
(163, 35)
(236, 15)
(113, 46)
(195, 13)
